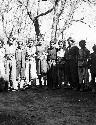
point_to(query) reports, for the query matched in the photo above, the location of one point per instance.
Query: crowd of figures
(22, 65)
(71, 65)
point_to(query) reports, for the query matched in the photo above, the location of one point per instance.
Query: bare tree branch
(45, 13)
(81, 20)
(42, 14)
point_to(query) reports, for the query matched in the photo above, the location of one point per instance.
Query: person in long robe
(72, 57)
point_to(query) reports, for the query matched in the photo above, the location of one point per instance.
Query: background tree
(27, 18)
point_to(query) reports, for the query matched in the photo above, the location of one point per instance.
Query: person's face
(52, 45)
(60, 45)
(30, 43)
(10, 42)
(83, 45)
(20, 44)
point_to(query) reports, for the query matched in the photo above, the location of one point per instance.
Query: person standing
(3, 80)
(72, 57)
(83, 65)
(42, 62)
(31, 73)
(11, 63)
(20, 64)
(92, 65)
(61, 62)
(52, 81)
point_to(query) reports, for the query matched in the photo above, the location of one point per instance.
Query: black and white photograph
(47, 62)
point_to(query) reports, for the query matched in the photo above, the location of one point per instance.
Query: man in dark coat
(72, 59)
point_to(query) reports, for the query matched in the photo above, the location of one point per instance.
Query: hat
(82, 42)
(71, 40)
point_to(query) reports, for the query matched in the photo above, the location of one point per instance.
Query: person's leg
(33, 72)
(15, 84)
(86, 78)
(80, 74)
(60, 75)
(93, 82)
(74, 75)
(66, 72)
(7, 70)
(18, 68)
(10, 74)
(54, 77)
(27, 72)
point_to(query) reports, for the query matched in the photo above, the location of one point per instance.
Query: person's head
(10, 41)
(94, 48)
(20, 44)
(52, 44)
(61, 44)
(82, 43)
(70, 41)
(30, 42)
(1, 43)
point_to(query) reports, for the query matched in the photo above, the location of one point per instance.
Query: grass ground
(47, 107)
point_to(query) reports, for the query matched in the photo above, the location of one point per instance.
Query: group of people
(71, 65)
(17, 63)
(22, 64)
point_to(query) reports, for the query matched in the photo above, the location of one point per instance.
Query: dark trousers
(73, 74)
(60, 72)
(52, 77)
(93, 75)
(67, 72)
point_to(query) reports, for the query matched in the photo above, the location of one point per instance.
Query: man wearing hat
(83, 64)
(92, 63)
(71, 69)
